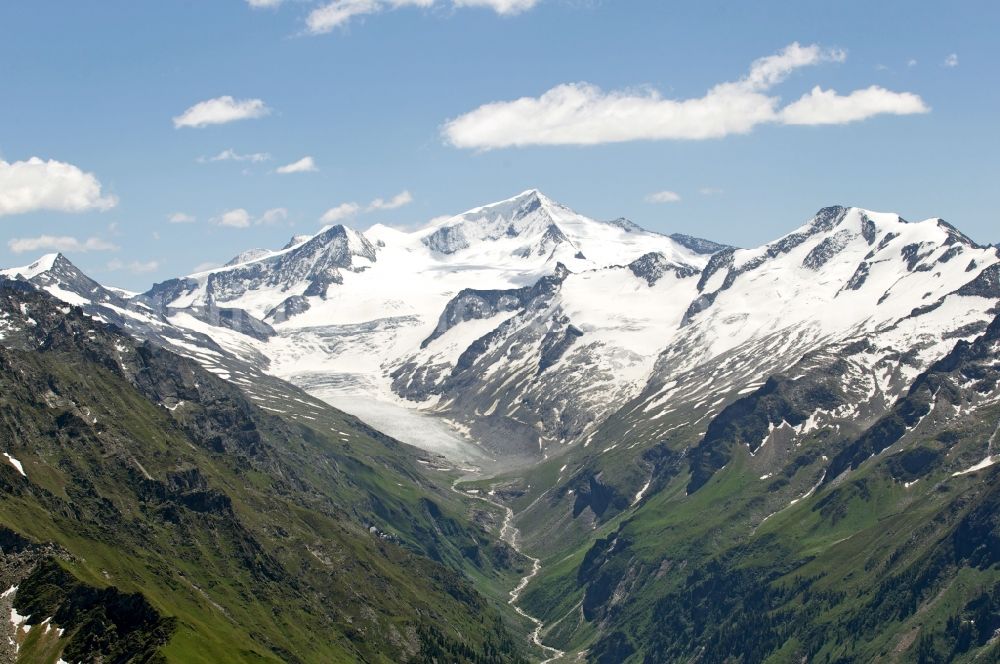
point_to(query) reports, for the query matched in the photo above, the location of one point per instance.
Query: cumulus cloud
(233, 155)
(62, 243)
(135, 267)
(273, 216)
(221, 110)
(819, 107)
(339, 212)
(663, 197)
(951, 60)
(397, 201)
(237, 218)
(338, 13)
(304, 165)
(180, 218)
(36, 184)
(240, 218)
(583, 114)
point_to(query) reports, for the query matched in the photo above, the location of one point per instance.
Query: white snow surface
(17, 464)
(43, 264)
(770, 305)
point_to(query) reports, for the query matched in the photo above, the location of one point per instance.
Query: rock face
(127, 464)
(803, 430)
(699, 245)
(526, 216)
(314, 266)
(535, 325)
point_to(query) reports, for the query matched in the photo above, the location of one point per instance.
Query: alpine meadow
(718, 386)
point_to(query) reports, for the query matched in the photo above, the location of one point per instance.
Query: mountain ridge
(391, 293)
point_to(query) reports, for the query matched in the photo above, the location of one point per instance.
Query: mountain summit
(499, 316)
(804, 430)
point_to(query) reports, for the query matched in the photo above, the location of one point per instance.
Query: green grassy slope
(863, 544)
(245, 536)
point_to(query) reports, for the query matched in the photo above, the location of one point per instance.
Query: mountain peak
(296, 241)
(530, 214)
(43, 264)
(626, 225)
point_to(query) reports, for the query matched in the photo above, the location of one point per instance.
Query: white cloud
(338, 13)
(710, 191)
(397, 201)
(135, 267)
(502, 7)
(32, 185)
(261, 4)
(180, 218)
(339, 212)
(238, 218)
(304, 165)
(220, 111)
(951, 60)
(583, 114)
(822, 107)
(335, 14)
(663, 197)
(912, 62)
(347, 210)
(204, 267)
(273, 216)
(63, 243)
(233, 155)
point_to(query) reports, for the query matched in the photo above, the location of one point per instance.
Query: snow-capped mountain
(534, 327)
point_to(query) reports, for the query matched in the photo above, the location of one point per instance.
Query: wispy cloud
(339, 213)
(951, 60)
(233, 155)
(583, 114)
(135, 267)
(240, 218)
(710, 191)
(35, 184)
(304, 165)
(397, 201)
(339, 13)
(264, 4)
(352, 209)
(180, 218)
(63, 243)
(204, 267)
(273, 216)
(236, 218)
(221, 110)
(663, 197)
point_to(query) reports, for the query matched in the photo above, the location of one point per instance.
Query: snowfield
(524, 323)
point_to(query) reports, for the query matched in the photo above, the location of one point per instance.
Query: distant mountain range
(783, 453)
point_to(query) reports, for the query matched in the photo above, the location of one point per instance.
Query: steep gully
(509, 533)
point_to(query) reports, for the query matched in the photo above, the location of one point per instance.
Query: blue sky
(96, 152)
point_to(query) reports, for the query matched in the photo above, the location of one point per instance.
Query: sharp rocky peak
(530, 214)
(58, 275)
(626, 225)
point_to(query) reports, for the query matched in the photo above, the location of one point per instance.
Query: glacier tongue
(528, 325)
